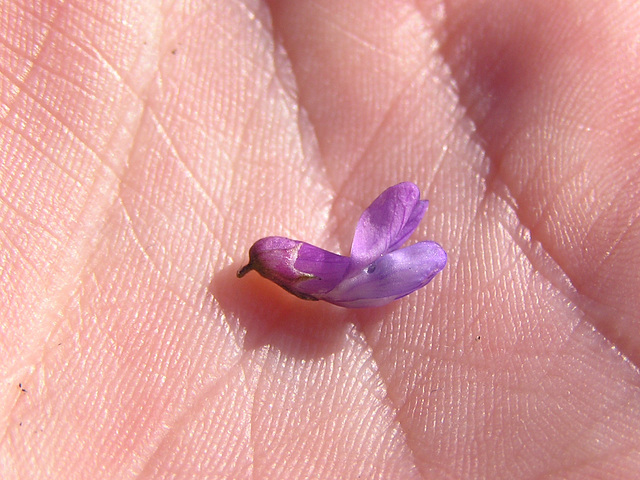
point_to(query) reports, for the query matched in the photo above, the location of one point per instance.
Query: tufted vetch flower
(377, 272)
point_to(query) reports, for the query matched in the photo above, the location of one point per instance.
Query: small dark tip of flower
(244, 270)
(371, 268)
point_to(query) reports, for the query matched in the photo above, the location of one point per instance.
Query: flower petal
(300, 268)
(392, 276)
(387, 223)
(409, 227)
(327, 268)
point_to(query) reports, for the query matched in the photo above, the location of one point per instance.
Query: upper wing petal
(387, 223)
(412, 223)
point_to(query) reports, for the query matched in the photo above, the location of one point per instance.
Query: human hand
(146, 147)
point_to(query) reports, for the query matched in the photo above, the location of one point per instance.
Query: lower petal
(393, 276)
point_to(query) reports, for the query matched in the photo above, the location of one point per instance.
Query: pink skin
(145, 148)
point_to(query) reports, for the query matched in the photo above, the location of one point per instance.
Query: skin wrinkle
(446, 138)
(72, 238)
(563, 184)
(143, 250)
(73, 134)
(548, 248)
(307, 134)
(91, 95)
(369, 144)
(574, 271)
(286, 87)
(181, 419)
(256, 15)
(58, 295)
(100, 59)
(352, 36)
(538, 260)
(101, 19)
(180, 160)
(199, 188)
(255, 408)
(396, 409)
(622, 233)
(385, 399)
(232, 40)
(29, 219)
(339, 190)
(59, 119)
(394, 406)
(30, 63)
(249, 116)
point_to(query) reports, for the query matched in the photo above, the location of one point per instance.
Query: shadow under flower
(261, 313)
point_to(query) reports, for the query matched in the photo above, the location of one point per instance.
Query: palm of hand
(160, 174)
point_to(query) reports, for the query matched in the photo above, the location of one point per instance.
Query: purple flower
(378, 270)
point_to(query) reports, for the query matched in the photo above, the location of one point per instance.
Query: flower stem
(244, 270)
